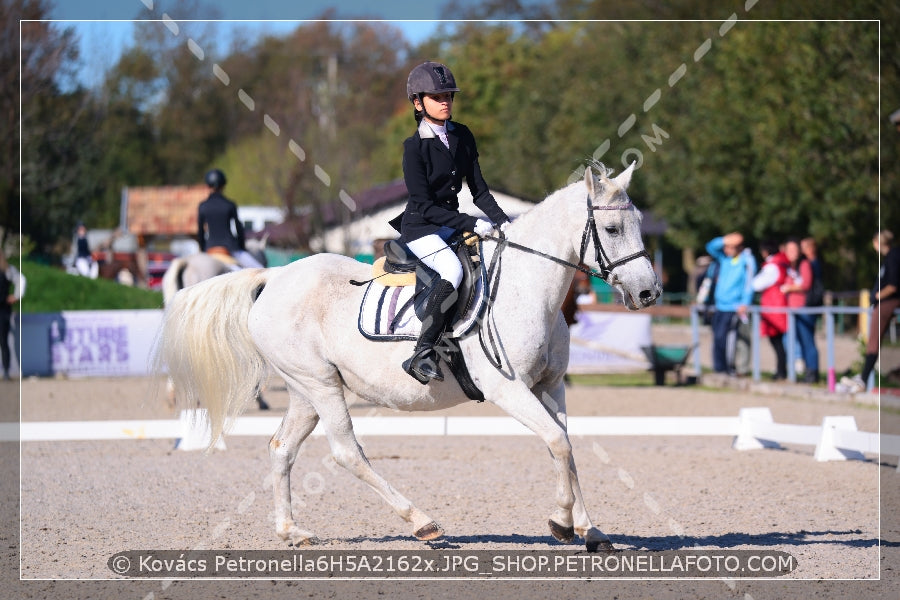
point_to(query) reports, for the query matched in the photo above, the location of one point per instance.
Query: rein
(493, 273)
(590, 229)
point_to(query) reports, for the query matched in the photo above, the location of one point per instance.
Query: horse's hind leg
(332, 409)
(296, 426)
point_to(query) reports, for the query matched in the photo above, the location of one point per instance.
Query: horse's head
(611, 242)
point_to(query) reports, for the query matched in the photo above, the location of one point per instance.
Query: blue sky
(255, 9)
(104, 26)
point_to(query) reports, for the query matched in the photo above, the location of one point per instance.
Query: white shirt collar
(426, 129)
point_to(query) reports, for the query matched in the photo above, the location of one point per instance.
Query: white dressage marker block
(195, 431)
(748, 420)
(828, 449)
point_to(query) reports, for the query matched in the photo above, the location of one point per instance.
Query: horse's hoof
(294, 536)
(429, 532)
(604, 546)
(304, 541)
(564, 534)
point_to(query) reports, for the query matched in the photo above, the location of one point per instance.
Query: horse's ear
(624, 178)
(589, 181)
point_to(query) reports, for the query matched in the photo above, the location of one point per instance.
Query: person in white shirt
(12, 288)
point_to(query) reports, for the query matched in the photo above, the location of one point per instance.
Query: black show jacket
(214, 218)
(434, 175)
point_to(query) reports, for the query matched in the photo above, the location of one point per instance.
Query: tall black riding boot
(423, 364)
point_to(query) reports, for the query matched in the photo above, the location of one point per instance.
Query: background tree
(775, 130)
(56, 143)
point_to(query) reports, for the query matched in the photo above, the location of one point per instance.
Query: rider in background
(215, 217)
(435, 160)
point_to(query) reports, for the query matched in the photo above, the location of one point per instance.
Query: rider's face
(438, 107)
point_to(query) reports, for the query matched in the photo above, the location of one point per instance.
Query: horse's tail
(206, 346)
(171, 281)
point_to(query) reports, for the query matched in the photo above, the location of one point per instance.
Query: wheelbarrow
(667, 358)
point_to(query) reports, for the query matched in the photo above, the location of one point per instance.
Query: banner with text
(103, 343)
(608, 342)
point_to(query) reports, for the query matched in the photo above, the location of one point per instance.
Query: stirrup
(423, 366)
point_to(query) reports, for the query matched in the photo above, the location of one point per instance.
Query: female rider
(435, 160)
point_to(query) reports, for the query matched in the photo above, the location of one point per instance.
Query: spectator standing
(816, 294)
(584, 291)
(734, 293)
(84, 262)
(768, 281)
(885, 300)
(12, 288)
(705, 275)
(799, 282)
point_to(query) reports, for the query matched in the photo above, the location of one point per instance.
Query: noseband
(590, 228)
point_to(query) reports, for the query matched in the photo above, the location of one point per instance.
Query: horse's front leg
(520, 403)
(553, 398)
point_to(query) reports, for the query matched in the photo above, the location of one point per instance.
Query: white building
(256, 218)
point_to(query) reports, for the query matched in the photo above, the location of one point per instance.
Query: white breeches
(434, 252)
(246, 260)
(87, 267)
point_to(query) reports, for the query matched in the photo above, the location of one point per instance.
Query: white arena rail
(836, 439)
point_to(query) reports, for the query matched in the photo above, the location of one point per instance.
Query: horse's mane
(598, 167)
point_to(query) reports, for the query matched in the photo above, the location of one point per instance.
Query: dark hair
(768, 246)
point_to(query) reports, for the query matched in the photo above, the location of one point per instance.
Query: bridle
(590, 234)
(606, 265)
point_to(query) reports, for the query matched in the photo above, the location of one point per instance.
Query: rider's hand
(483, 228)
(505, 225)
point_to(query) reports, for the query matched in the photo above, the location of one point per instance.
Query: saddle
(222, 254)
(393, 304)
(400, 282)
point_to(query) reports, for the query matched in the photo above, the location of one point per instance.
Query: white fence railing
(837, 438)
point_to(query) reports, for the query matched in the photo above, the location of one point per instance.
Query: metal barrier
(829, 314)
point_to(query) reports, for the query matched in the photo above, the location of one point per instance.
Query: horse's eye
(612, 230)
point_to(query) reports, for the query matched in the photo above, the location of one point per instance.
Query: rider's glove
(483, 228)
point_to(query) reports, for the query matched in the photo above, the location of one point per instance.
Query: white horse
(218, 336)
(188, 270)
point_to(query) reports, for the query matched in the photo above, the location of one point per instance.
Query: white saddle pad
(381, 305)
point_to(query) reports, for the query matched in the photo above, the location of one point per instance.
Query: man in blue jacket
(734, 293)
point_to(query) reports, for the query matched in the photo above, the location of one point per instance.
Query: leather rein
(590, 234)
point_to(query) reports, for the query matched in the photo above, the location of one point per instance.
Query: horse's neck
(538, 285)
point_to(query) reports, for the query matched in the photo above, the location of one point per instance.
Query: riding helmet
(430, 78)
(215, 179)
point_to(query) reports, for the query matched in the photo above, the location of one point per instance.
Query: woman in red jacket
(769, 280)
(799, 280)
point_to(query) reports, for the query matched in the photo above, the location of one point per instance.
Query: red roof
(165, 210)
